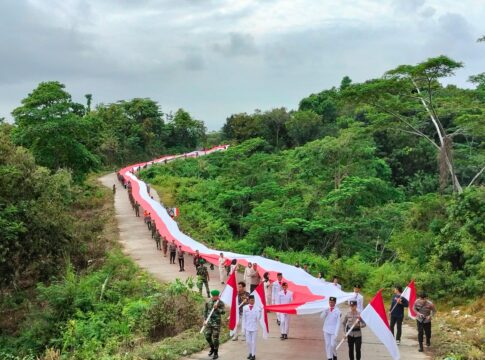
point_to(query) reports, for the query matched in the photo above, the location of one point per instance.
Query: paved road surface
(305, 336)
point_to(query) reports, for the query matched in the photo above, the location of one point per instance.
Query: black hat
(332, 298)
(251, 297)
(279, 274)
(352, 302)
(357, 286)
(284, 284)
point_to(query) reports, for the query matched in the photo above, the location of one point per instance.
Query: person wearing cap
(251, 316)
(277, 287)
(213, 323)
(331, 327)
(425, 310)
(202, 277)
(398, 303)
(358, 298)
(242, 299)
(354, 338)
(285, 296)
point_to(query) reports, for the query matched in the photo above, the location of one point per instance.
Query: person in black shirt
(398, 303)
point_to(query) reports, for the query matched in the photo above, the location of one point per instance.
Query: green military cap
(215, 292)
(201, 261)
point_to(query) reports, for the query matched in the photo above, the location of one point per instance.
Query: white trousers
(251, 337)
(284, 323)
(330, 344)
(222, 273)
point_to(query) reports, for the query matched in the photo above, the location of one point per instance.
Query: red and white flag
(260, 300)
(409, 294)
(229, 297)
(374, 315)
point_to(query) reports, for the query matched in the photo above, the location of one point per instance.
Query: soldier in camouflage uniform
(153, 228)
(213, 324)
(158, 238)
(203, 277)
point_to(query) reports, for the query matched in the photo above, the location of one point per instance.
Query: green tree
(53, 127)
(184, 132)
(304, 126)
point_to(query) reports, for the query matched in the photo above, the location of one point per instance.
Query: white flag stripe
(380, 329)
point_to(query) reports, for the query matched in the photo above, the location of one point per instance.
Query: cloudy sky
(215, 58)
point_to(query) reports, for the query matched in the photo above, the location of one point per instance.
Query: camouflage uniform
(203, 278)
(157, 239)
(213, 327)
(153, 228)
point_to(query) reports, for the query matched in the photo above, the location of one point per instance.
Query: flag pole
(347, 334)
(208, 317)
(400, 296)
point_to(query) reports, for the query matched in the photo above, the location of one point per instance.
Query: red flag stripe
(378, 304)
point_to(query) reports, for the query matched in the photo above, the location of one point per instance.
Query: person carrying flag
(242, 300)
(331, 327)
(276, 288)
(285, 296)
(215, 308)
(352, 324)
(251, 317)
(398, 303)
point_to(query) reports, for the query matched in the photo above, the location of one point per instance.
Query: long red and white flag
(229, 297)
(260, 300)
(409, 294)
(374, 315)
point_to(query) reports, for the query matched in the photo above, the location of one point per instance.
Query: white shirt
(338, 285)
(285, 298)
(233, 267)
(251, 317)
(360, 301)
(247, 275)
(275, 291)
(222, 261)
(331, 322)
(267, 289)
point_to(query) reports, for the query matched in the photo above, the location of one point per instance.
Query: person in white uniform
(285, 296)
(358, 298)
(267, 288)
(251, 316)
(222, 268)
(336, 283)
(331, 327)
(276, 288)
(247, 273)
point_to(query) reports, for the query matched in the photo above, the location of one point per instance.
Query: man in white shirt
(358, 297)
(275, 293)
(251, 316)
(331, 327)
(285, 296)
(222, 267)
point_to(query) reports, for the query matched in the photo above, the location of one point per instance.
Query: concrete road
(305, 336)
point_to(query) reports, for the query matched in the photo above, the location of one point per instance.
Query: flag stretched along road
(409, 294)
(310, 294)
(374, 316)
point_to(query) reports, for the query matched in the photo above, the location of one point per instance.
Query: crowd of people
(277, 292)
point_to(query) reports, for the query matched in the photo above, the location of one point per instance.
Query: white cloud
(216, 57)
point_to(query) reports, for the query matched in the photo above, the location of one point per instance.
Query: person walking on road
(164, 246)
(254, 277)
(222, 268)
(158, 238)
(242, 299)
(277, 287)
(173, 251)
(331, 326)
(358, 298)
(202, 277)
(251, 316)
(285, 296)
(354, 338)
(180, 256)
(137, 209)
(213, 323)
(425, 311)
(398, 303)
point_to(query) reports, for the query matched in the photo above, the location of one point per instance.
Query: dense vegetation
(64, 134)
(372, 191)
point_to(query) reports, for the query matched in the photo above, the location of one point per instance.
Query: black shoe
(278, 322)
(254, 357)
(216, 355)
(334, 358)
(420, 347)
(428, 343)
(212, 351)
(282, 337)
(249, 357)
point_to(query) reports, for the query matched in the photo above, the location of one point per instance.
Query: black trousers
(396, 321)
(424, 329)
(357, 343)
(181, 263)
(172, 257)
